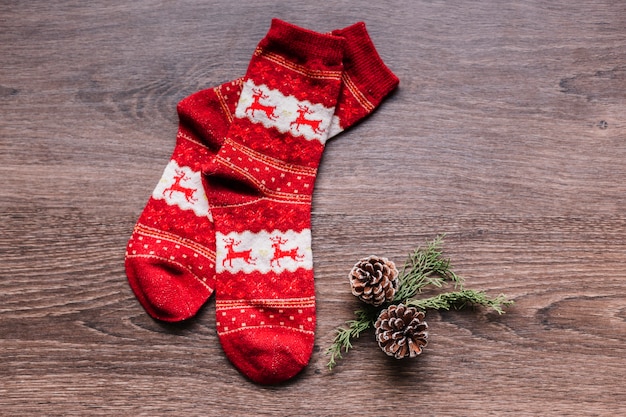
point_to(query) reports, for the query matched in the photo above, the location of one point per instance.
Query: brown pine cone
(374, 280)
(401, 331)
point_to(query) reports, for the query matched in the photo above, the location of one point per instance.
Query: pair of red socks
(231, 213)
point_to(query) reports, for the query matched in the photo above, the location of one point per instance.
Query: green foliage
(424, 267)
(460, 299)
(343, 339)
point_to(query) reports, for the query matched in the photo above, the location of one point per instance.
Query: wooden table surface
(507, 133)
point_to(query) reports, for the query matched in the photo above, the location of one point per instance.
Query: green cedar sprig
(365, 319)
(460, 299)
(424, 267)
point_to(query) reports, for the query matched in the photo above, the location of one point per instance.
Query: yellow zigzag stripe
(308, 72)
(276, 163)
(200, 280)
(243, 328)
(160, 234)
(308, 302)
(223, 104)
(276, 200)
(192, 140)
(363, 101)
(277, 194)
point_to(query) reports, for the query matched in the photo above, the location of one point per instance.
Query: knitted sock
(260, 187)
(170, 257)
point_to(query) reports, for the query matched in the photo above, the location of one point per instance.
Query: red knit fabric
(170, 257)
(261, 183)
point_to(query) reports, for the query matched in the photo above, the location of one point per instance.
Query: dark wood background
(508, 133)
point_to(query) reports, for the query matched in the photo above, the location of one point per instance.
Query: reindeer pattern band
(270, 107)
(182, 187)
(264, 251)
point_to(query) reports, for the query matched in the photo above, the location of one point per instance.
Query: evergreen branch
(425, 267)
(365, 318)
(461, 299)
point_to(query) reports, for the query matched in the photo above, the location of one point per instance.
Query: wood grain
(507, 133)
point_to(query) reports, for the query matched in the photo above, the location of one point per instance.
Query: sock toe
(167, 292)
(268, 355)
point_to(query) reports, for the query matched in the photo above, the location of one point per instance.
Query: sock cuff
(301, 45)
(364, 64)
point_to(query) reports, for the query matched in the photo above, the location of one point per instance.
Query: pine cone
(401, 331)
(374, 280)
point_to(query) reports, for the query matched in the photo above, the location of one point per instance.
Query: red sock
(170, 258)
(260, 187)
(174, 289)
